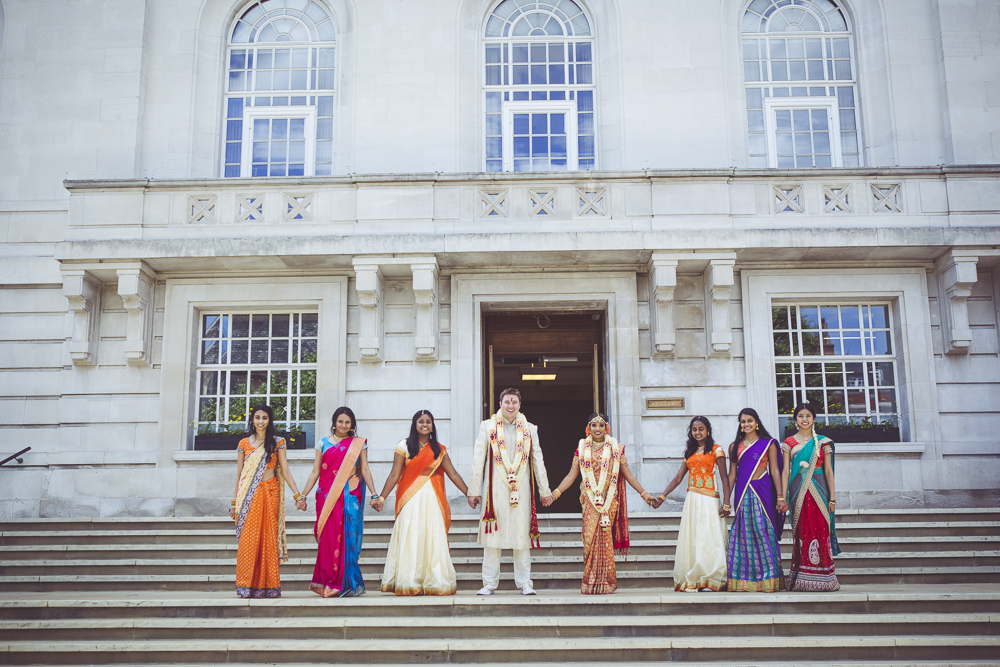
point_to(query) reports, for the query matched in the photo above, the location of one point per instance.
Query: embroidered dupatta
(419, 470)
(808, 478)
(254, 465)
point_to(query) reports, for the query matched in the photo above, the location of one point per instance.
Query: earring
(587, 430)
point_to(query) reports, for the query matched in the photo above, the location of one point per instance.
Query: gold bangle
(556, 494)
(381, 499)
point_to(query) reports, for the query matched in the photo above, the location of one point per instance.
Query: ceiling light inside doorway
(559, 360)
(539, 372)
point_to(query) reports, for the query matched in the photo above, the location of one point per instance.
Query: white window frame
(252, 113)
(541, 106)
(904, 288)
(772, 104)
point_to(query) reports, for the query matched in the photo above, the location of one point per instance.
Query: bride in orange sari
(418, 561)
(605, 514)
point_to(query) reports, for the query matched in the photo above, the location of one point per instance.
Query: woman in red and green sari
(808, 478)
(341, 467)
(418, 561)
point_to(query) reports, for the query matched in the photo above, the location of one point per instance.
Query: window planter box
(856, 433)
(224, 441)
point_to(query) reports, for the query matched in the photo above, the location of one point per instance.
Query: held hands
(547, 500)
(377, 504)
(782, 506)
(656, 501)
(301, 505)
(474, 501)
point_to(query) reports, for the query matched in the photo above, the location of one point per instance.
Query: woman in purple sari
(341, 467)
(754, 558)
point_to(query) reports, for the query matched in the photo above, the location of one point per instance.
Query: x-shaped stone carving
(251, 207)
(202, 209)
(591, 202)
(837, 198)
(885, 198)
(787, 198)
(493, 203)
(298, 207)
(542, 203)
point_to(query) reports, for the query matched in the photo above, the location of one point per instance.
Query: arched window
(539, 87)
(279, 92)
(801, 85)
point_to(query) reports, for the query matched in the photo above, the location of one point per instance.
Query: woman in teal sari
(808, 478)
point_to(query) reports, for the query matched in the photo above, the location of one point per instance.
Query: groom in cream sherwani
(510, 444)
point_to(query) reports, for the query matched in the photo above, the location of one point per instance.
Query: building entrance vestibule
(556, 360)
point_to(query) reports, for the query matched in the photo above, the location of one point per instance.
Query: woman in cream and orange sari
(605, 515)
(258, 507)
(418, 561)
(341, 466)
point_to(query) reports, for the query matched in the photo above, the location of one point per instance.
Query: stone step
(468, 581)
(540, 564)
(867, 648)
(296, 601)
(101, 551)
(381, 534)
(665, 518)
(584, 626)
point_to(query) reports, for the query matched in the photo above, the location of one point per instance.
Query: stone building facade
(205, 203)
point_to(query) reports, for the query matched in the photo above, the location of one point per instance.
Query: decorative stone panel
(542, 203)
(298, 207)
(837, 199)
(202, 209)
(592, 202)
(493, 203)
(788, 199)
(250, 208)
(886, 198)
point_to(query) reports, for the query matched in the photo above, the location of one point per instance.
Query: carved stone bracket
(83, 293)
(957, 274)
(719, 281)
(425, 277)
(662, 282)
(370, 287)
(136, 287)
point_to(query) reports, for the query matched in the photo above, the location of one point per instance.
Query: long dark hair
(692, 444)
(761, 431)
(270, 435)
(344, 410)
(413, 440)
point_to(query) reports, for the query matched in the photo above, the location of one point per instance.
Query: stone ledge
(191, 457)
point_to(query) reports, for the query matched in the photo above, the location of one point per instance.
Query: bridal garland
(499, 450)
(595, 490)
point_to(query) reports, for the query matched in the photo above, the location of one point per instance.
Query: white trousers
(491, 567)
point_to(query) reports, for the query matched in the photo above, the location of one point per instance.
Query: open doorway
(556, 360)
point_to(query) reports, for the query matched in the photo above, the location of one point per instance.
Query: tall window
(250, 358)
(539, 87)
(801, 85)
(279, 92)
(837, 357)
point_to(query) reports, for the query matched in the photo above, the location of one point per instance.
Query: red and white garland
(600, 492)
(499, 450)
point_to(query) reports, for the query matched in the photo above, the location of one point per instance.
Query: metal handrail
(15, 456)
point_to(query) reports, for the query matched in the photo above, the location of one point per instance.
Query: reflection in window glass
(247, 359)
(837, 357)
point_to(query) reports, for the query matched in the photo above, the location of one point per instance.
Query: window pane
(809, 317)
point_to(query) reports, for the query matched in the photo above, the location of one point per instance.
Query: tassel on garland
(534, 535)
(489, 511)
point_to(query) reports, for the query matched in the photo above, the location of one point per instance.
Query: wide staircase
(918, 587)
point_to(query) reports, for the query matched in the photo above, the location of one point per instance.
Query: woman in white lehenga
(419, 561)
(700, 559)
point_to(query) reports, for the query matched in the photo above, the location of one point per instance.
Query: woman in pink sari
(341, 467)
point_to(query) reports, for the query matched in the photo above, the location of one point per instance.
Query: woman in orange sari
(605, 514)
(418, 561)
(258, 507)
